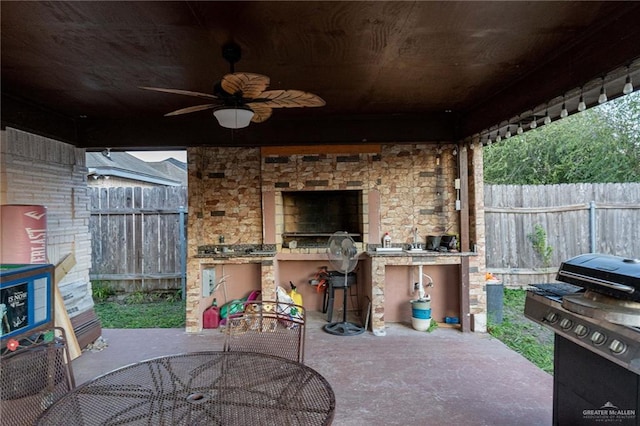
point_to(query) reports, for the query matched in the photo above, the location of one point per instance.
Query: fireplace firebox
(311, 217)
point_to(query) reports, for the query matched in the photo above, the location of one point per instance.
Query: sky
(160, 155)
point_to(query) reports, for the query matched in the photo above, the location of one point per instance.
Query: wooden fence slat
(135, 235)
(563, 211)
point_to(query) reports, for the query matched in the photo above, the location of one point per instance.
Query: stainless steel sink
(389, 249)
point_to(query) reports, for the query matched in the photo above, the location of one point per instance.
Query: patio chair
(35, 372)
(268, 327)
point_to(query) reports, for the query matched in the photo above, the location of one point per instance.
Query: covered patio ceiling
(389, 71)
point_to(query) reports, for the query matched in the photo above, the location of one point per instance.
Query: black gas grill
(594, 312)
(555, 291)
(614, 276)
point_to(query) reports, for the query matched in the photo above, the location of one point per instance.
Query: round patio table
(200, 388)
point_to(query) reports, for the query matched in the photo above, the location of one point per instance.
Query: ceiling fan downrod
(232, 53)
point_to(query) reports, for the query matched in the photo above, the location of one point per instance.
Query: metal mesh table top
(200, 388)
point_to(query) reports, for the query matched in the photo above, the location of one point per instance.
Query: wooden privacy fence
(138, 237)
(137, 244)
(577, 219)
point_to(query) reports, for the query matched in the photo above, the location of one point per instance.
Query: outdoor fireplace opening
(311, 217)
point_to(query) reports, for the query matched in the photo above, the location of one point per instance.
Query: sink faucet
(416, 244)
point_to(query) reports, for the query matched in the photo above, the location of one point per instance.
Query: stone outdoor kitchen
(261, 218)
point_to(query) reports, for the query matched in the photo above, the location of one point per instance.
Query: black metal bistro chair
(268, 327)
(34, 373)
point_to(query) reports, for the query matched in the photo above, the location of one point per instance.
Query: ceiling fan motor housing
(228, 99)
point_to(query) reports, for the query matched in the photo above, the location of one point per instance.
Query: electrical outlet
(458, 207)
(456, 183)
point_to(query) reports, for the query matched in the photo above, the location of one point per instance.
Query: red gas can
(211, 317)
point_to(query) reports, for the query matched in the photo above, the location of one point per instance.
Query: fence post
(183, 254)
(592, 226)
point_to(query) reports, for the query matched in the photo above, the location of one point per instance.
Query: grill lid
(615, 276)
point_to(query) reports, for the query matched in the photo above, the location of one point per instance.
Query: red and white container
(23, 234)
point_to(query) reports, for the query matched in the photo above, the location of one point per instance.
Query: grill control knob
(566, 323)
(551, 317)
(598, 338)
(617, 347)
(581, 330)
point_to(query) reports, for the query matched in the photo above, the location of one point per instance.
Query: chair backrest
(33, 375)
(269, 327)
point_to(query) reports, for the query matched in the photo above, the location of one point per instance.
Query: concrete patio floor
(407, 377)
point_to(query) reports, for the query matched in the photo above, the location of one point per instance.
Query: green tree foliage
(599, 145)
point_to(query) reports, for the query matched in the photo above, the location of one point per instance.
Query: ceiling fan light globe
(233, 118)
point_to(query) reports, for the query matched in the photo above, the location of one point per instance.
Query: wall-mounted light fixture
(603, 94)
(628, 86)
(489, 141)
(547, 117)
(581, 105)
(564, 113)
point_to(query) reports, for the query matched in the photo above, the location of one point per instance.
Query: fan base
(343, 329)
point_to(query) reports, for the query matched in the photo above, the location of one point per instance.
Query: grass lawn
(164, 314)
(524, 336)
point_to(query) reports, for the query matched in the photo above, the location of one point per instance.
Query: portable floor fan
(343, 256)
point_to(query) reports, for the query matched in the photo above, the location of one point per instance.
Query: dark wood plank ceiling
(389, 71)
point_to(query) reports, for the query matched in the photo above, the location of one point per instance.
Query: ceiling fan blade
(192, 109)
(290, 99)
(251, 85)
(261, 112)
(181, 92)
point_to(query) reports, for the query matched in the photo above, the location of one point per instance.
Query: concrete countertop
(234, 254)
(290, 256)
(414, 253)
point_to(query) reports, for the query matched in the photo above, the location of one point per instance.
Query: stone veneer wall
(226, 185)
(41, 171)
(414, 192)
(224, 201)
(477, 264)
(224, 196)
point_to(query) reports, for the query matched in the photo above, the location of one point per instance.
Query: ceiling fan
(241, 97)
